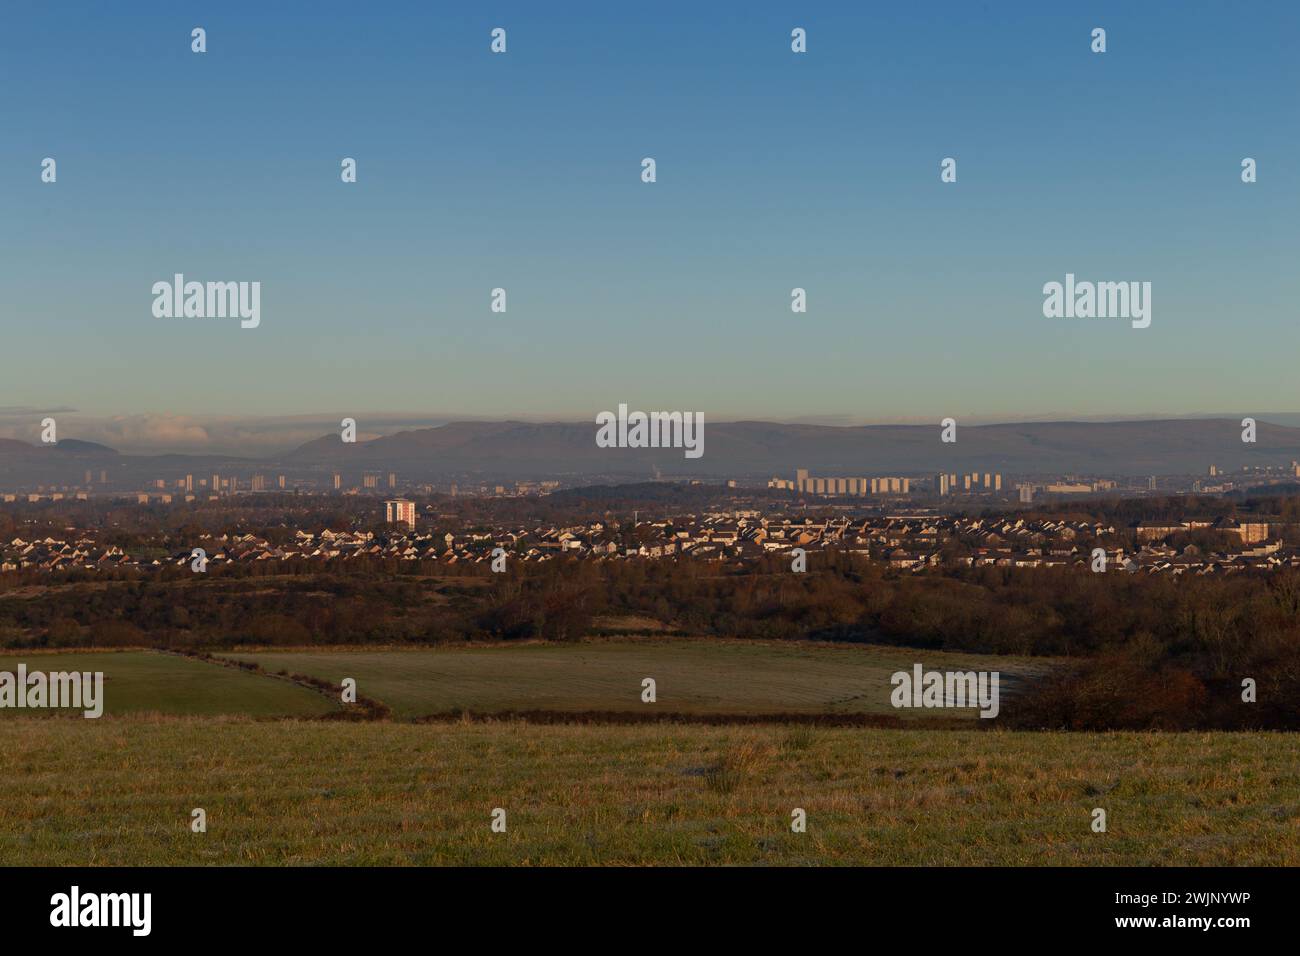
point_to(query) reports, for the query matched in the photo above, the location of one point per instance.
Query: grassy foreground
(120, 791)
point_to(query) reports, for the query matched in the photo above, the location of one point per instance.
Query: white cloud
(161, 433)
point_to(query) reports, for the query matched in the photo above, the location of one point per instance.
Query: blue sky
(775, 170)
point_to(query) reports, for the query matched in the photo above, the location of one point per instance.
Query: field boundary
(365, 708)
(629, 717)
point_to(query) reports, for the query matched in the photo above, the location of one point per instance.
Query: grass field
(151, 682)
(691, 676)
(120, 791)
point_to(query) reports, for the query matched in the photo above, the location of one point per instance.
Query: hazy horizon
(254, 436)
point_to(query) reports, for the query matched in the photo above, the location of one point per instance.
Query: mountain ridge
(753, 447)
(738, 449)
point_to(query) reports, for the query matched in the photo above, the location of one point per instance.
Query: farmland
(693, 677)
(149, 682)
(281, 786)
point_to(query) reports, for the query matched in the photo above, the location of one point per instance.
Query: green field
(691, 676)
(120, 792)
(151, 682)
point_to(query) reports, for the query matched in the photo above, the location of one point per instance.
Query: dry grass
(120, 791)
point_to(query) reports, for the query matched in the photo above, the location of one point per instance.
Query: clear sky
(775, 170)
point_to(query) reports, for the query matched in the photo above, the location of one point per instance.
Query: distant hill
(64, 462)
(13, 448)
(568, 451)
(1176, 446)
(87, 449)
